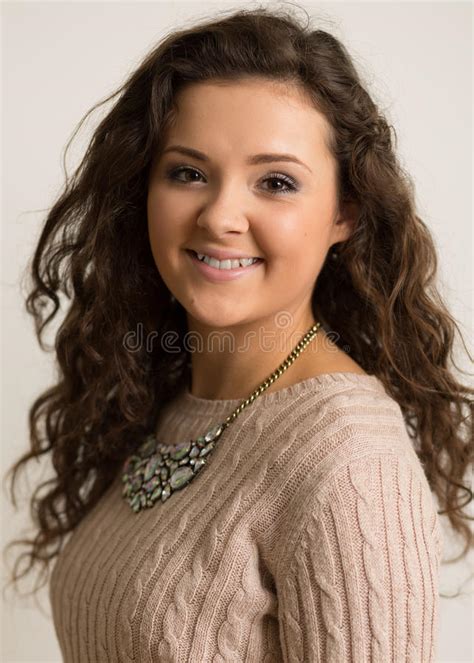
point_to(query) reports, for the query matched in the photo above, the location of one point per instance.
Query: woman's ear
(346, 221)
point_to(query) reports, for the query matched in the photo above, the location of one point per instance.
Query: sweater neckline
(206, 406)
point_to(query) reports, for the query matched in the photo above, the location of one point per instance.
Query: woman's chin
(217, 315)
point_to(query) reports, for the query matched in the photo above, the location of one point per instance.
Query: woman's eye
(172, 174)
(288, 182)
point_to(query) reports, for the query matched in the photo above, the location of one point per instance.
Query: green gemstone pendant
(156, 470)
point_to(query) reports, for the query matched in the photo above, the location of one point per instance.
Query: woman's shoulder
(349, 394)
(332, 418)
(338, 441)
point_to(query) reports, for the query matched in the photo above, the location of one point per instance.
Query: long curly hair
(378, 295)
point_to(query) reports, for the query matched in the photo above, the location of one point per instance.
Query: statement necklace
(156, 470)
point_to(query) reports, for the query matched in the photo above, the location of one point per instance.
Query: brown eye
(287, 181)
(172, 174)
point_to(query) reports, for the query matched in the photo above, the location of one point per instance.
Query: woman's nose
(222, 216)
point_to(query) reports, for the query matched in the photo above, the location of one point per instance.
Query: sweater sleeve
(359, 579)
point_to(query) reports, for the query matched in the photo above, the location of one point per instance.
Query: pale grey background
(60, 58)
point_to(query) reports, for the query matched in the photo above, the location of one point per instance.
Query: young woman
(255, 409)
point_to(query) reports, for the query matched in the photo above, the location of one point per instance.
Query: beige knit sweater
(311, 535)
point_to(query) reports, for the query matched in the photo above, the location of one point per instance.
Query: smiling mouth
(194, 254)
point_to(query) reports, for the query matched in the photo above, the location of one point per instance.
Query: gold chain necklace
(156, 470)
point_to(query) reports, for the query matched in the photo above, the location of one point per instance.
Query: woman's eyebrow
(252, 160)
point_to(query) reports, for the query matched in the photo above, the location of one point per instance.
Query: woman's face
(278, 210)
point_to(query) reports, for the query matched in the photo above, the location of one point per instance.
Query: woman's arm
(359, 582)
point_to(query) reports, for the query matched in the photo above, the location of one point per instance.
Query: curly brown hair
(379, 295)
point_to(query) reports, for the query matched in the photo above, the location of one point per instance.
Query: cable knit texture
(311, 536)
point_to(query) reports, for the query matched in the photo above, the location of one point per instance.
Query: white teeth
(226, 264)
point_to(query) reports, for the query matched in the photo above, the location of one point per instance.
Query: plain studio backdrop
(60, 58)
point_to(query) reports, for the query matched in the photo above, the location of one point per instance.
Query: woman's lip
(214, 274)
